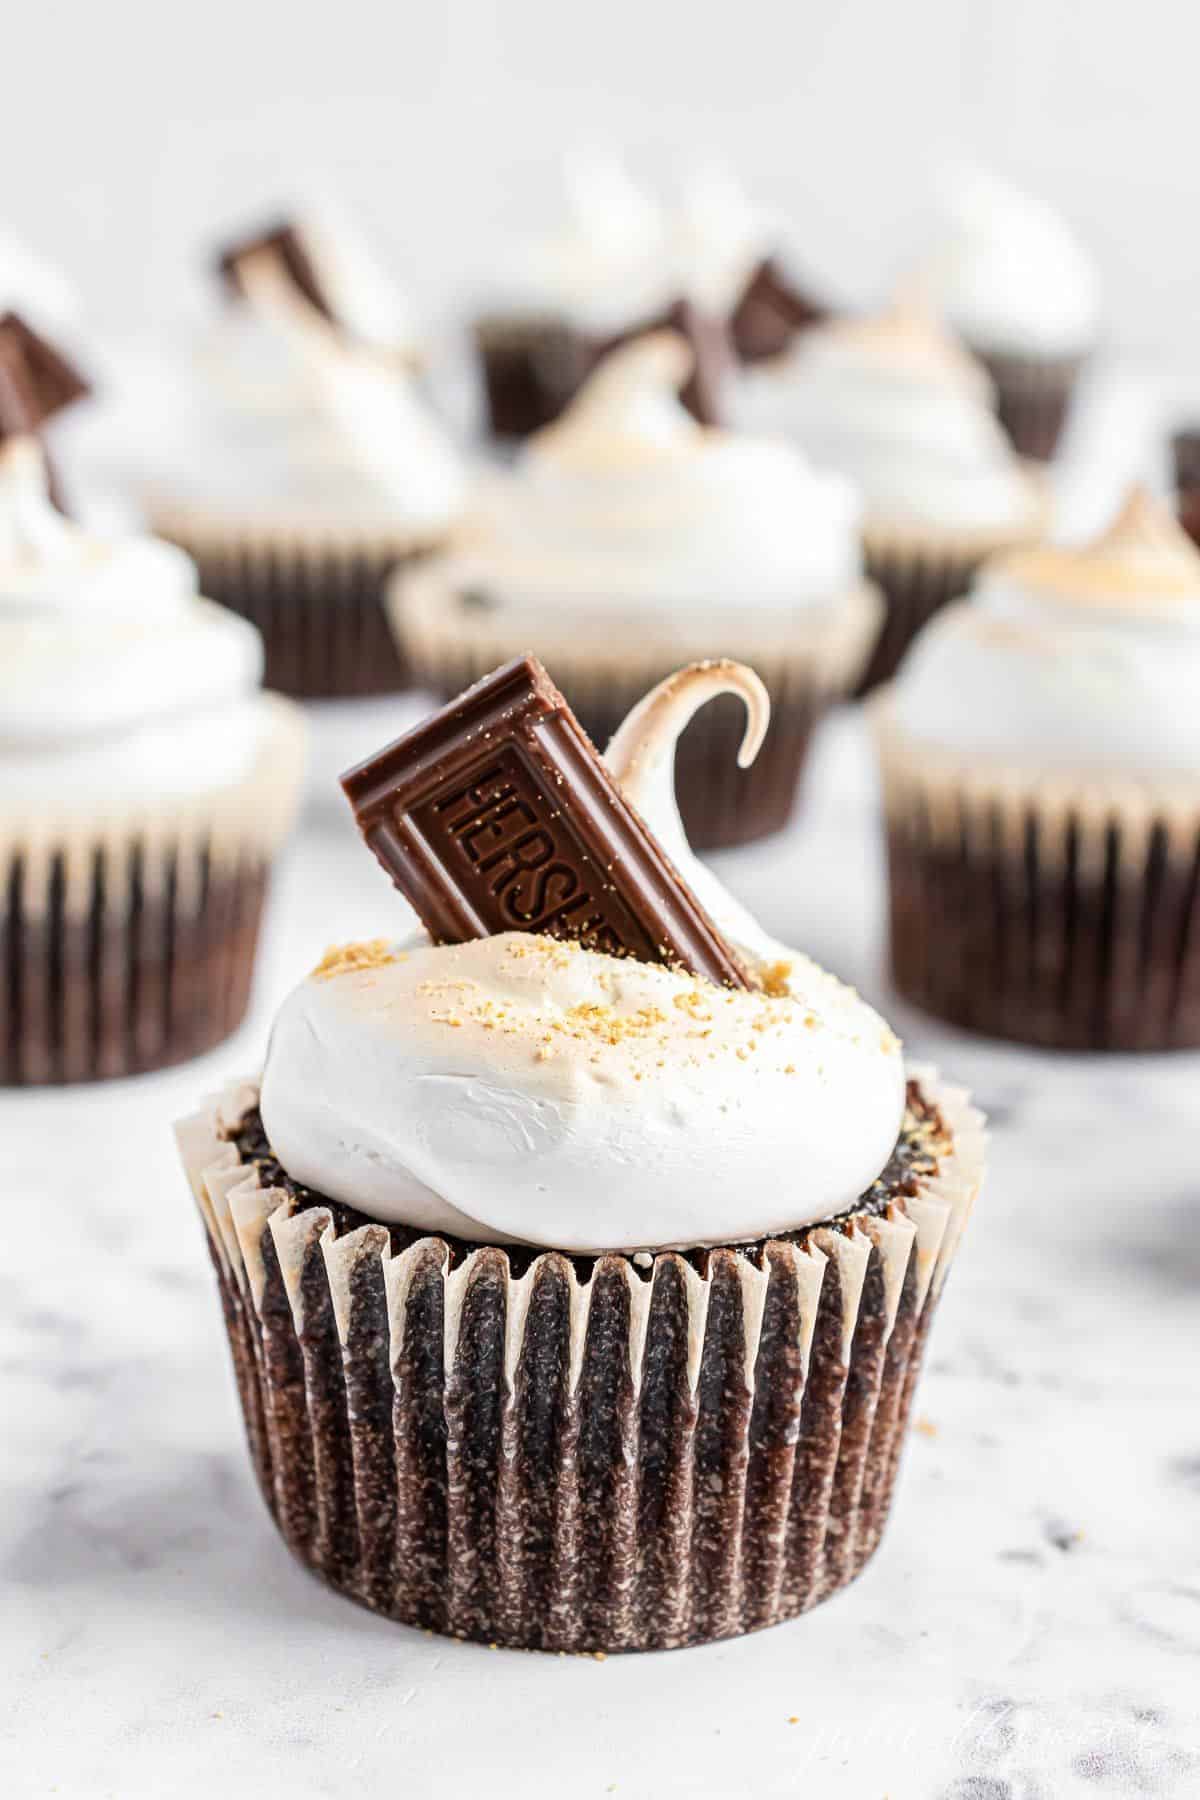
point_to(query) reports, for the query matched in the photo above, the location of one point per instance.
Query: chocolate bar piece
(770, 313)
(711, 355)
(36, 380)
(497, 814)
(285, 242)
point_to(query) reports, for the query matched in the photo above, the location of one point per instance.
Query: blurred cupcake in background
(628, 539)
(1041, 767)
(302, 464)
(1020, 290)
(145, 785)
(902, 410)
(610, 274)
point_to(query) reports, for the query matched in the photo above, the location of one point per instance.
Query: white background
(132, 132)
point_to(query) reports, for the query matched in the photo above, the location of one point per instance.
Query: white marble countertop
(1030, 1629)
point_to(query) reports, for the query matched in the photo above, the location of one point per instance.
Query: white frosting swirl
(899, 408)
(32, 288)
(285, 417)
(626, 503)
(608, 265)
(520, 1088)
(116, 681)
(1070, 659)
(1013, 277)
(720, 239)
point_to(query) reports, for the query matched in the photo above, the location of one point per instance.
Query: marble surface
(1030, 1629)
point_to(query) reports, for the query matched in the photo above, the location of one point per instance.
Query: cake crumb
(345, 959)
(925, 1426)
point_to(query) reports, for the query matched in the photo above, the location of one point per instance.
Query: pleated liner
(127, 942)
(316, 597)
(1033, 398)
(920, 571)
(1062, 912)
(577, 1454)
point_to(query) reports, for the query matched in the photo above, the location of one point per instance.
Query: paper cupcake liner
(531, 367)
(127, 942)
(807, 667)
(315, 596)
(1056, 912)
(1033, 398)
(920, 572)
(577, 1453)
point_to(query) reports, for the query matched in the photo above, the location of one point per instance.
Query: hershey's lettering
(496, 828)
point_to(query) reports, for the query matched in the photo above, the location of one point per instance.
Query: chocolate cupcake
(302, 466)
(626, 539)
(1023, 295)
(145, 784)
(898, 407)
(576, 1301)
(1041, 769)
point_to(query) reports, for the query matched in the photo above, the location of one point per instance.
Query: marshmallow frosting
(627, 504)
(897, 406)
(117, 682)
(519, 1088)
(608, 263)
(288, 418)
(1012, 276)
(1070, 658)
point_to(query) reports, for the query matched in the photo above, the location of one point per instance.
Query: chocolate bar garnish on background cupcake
(1185, 462)
(771, 312)
(497, 814)
(712, 357)
(37, 382)
(285, 242)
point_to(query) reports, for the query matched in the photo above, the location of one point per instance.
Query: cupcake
(1041, 770)
(1022, 293)
(612, 274)
(904, 412)
(626, 539)
(145, 784)
(577, 1302)
(303, 467)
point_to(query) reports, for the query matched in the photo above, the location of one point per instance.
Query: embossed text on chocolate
(502, 832)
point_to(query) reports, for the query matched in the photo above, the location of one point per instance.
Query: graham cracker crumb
(775, 980)
(345, 959)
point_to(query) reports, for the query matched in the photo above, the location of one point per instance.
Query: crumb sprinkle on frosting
(346, 959)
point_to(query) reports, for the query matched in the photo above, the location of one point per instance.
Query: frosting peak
(116, 679)
(32, 531)
(1142, 560)
(1073, 658)
(1012, 275)
(628, 504)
